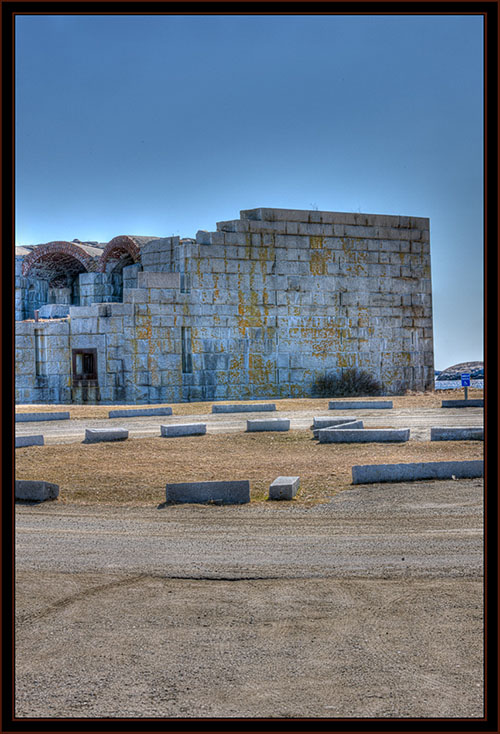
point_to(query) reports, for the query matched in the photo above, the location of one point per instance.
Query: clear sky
(165, 125)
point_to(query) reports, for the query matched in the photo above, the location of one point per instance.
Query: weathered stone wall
(259, 308)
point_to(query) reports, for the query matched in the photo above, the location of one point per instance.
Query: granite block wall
(259, 308)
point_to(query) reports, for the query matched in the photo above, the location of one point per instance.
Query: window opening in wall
(84, 364)
(40, 353)
(187, 362)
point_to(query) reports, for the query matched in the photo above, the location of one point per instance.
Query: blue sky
(167, 124)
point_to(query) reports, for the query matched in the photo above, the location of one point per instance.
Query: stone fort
(260, 308)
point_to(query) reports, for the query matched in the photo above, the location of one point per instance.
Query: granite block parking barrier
(346, 423)
(258, 407)
(25, 417)
(457, 434)
(183, 429)
(360, 404)
(329, 421)
(369, 473)
(222, 492)
(271, 424)
(363, 435)
(29, 441)
(31, 490)
(284, 488)
(462, 403)
(131, 412)
(97, 435)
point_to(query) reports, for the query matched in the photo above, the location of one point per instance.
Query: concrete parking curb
(284, 488)
(183, 429)
(222, 492)
(35, 490)
(457, 434)
(132, 412)
(360, 404)
(479, 403)
(22, 441)
(97, 435)
(27, 417)
(257, 408)
(370, 473)
(363, 435)
(272, 424)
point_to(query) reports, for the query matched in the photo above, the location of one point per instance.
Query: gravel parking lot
(367, 606)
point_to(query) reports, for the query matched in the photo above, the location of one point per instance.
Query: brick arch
(117, 248)
(57, 258)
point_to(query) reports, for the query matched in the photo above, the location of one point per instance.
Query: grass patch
(135, 472)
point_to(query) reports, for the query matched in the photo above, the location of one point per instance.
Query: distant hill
(475, 369)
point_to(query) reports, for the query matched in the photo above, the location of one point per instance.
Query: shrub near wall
(349, 383)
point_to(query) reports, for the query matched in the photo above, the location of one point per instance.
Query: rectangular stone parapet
(223, 492)
(462, 403)
(364, 435)
(351, 425)
(132, 412)
(158, 280)
(360, 404)
(284, 488)
(96, 435)
(457, 434)
(26, 417)
(257, 408)
(271, 424)
(29, 441)
(183, 429)
(32, 490)
(369, 473)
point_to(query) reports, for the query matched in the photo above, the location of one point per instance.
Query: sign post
(465, 383)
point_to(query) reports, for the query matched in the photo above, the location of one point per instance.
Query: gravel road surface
(420, 421)
(368, 606)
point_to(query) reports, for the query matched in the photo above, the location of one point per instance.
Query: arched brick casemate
(57, 260)
(122, 249)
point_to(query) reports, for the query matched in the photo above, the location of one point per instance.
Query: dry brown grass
(135, 472)
(412, 400)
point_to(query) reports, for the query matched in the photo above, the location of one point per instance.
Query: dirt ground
(367, 606)
(348, 602)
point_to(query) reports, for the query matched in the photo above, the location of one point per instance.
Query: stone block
(284, 488)
(27, 417)
(269, 424)
(462, 403)
(54, 311)
(351, 424)
(183, 429)
(131, 412)
(457, 434)
(158, 280)
(31, 490)
(29, 441)
(363, 435)
(221, 492)
(360, 405)
(257, 407)
(369, 473)
(98, 435)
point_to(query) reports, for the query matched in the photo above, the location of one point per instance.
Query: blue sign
(465, 379)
